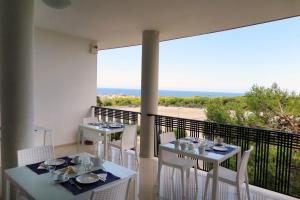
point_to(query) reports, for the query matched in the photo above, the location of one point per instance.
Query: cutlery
(102, 179)
(73, 183)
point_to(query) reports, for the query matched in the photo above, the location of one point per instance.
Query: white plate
(87, 178)
(54, 162)
(220, 148)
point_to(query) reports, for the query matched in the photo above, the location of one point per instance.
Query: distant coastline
(171, 93)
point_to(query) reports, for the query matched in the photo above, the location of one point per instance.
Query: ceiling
(119, 23)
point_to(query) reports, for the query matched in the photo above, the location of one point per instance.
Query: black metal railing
(110, 114)
(274, 163)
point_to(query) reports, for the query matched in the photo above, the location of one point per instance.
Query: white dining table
(98, 132)
(209, 156)
(42, 187)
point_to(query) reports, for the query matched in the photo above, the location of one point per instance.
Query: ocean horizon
(173, 93)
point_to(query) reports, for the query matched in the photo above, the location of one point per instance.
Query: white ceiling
(119, 23)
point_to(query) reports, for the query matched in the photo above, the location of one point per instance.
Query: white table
(41, 187)
(215, 158)
(97, 132)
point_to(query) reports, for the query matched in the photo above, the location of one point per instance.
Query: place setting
(51, 165)
(90, 179)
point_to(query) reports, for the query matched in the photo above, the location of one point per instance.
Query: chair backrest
(88, 120)
(164, 139)
(35, 155)
(242, 167)
(128, 137)
(167, 137)
(117, 191)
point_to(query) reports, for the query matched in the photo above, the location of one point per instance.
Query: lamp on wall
(94, 48)
(57, 4)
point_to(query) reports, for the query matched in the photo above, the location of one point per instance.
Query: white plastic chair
(172, 160)
(232, 177)
(116, 191)
(127, 142)
(35, 155)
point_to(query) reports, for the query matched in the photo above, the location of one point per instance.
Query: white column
(16, 79)
(149, 92)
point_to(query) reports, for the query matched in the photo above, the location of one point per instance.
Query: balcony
(273, 169)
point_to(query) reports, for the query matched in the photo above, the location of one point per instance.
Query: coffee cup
(201, 148)
(220, 140)
(177, 144)
(183, 145)
(191, 146)
(61, 176)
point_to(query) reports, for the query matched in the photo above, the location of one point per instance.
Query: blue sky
(229, 61)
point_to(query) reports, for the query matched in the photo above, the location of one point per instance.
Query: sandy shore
(190, 113)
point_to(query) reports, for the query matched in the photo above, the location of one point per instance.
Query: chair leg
(121, 157)
(196, 177)
(136, 156)
(247, 187)
(238, 191)
(247, 190)
(183, 183)
(206, 188)
(173, 172)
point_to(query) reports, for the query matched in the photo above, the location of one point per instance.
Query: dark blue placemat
(34, 167)
(86, 187)
(229, 149)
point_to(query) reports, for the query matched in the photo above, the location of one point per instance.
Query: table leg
(44, 142)
(105, 147)
(158, 172)
(7, 189)
(79, 137)
(215, 185)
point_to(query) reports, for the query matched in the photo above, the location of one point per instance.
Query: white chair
(117, 191)
(172, 160)
(127, 142)
(88, 120)
(233, 178)
(35, 155)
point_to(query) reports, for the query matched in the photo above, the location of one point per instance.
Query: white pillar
(149, 92)
(16, 45)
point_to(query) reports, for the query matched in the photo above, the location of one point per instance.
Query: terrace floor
(171, 189)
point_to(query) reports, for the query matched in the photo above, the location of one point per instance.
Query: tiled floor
(171, 188)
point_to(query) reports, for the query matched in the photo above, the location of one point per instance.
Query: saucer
(62, 181)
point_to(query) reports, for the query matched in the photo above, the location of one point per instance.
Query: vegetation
(261, 107)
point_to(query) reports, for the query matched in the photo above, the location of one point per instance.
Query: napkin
(42, 166)
(102, 176)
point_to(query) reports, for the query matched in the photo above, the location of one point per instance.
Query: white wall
(65, 81)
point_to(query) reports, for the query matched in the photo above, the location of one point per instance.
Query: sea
(173, 93)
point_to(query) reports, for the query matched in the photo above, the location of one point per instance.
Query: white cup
(220, 140)
(191, 146)
(183, 145)
(177, 144)
(201, 148)
(61, 176)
